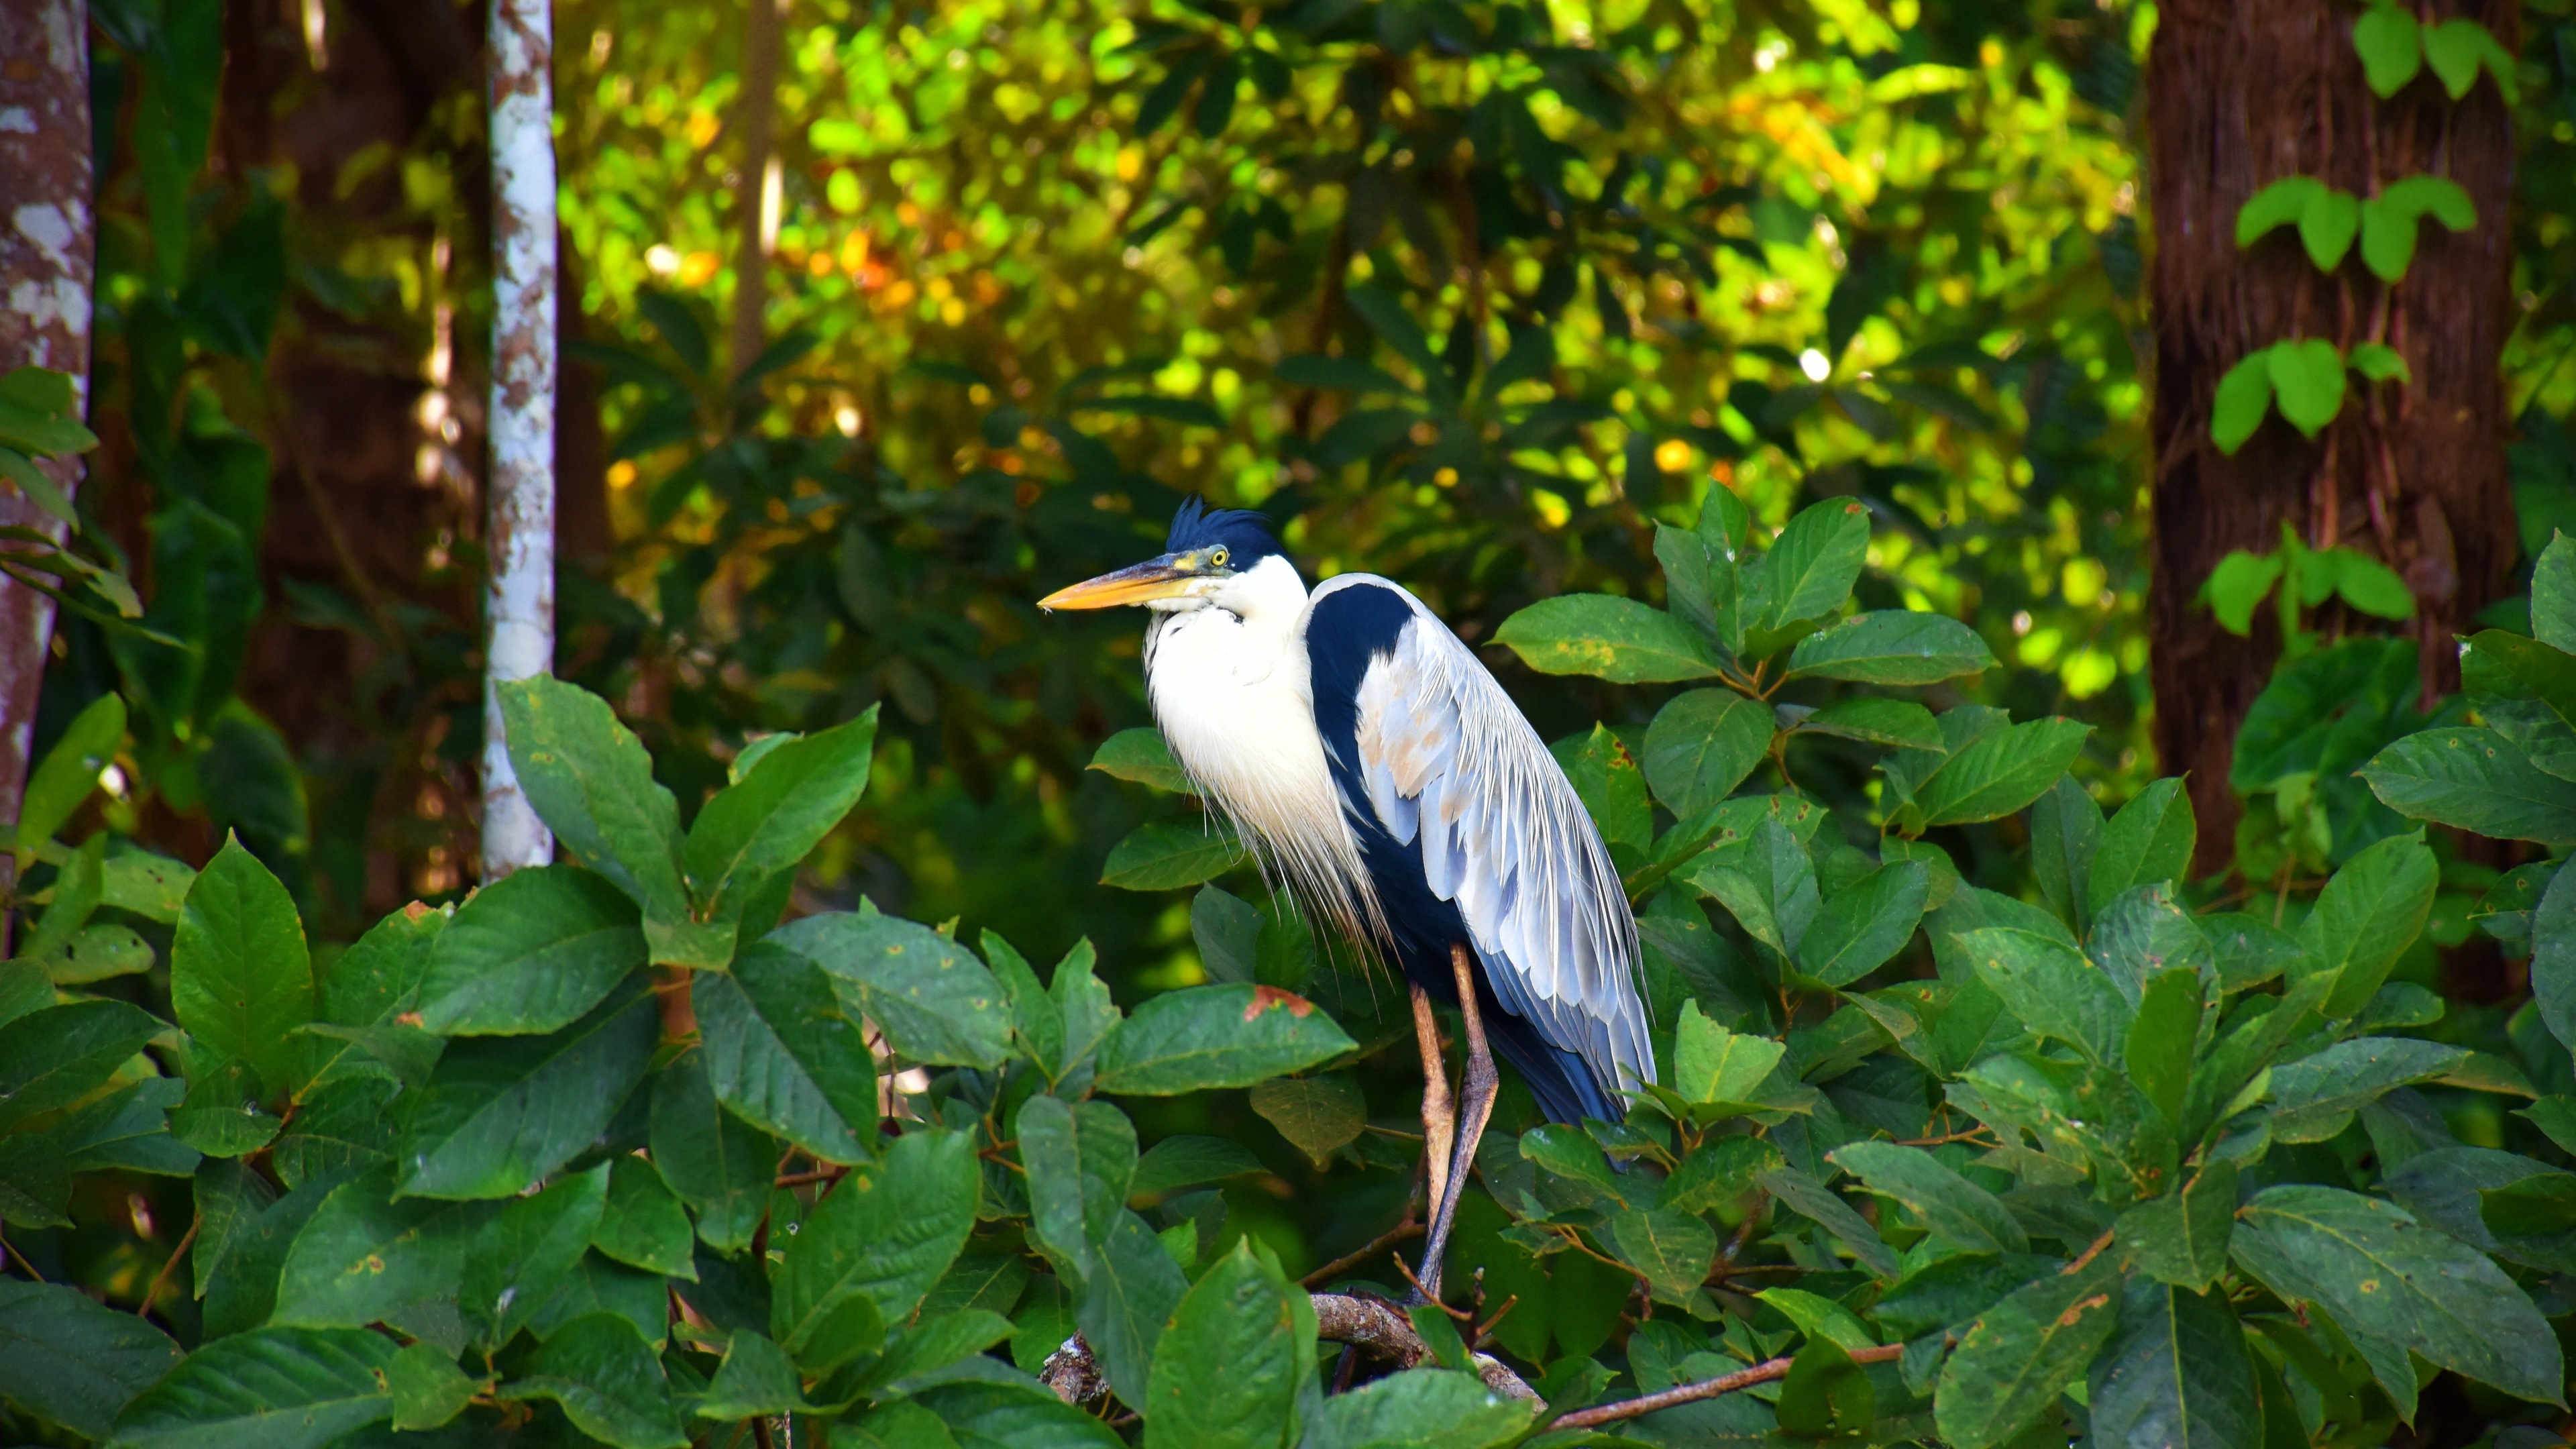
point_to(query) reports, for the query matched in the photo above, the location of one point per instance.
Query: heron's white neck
(1232, 691)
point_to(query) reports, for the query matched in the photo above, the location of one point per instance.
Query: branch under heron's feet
(1371, 1325)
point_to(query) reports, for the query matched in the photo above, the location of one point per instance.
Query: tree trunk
(45, 279)
(519, 630)
(757, 187)
(2241, 95)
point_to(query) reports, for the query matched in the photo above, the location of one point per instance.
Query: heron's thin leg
(1439, 1111)
(1477, 1085)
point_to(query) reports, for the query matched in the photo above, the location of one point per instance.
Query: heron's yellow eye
(1217, 557)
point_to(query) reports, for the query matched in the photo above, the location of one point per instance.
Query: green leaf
(1892, 646)
(2327, 226)
(2391, 48)
(1170, 857)
(1818, 1203)
(2244, 396)
(1716, 1173)
(933, 1000)
(605, 1378)
(1422, 1409)
(2019, 1355)
(982, 1416)
(1814, 562)
(1141, 756)
(1825, 1394)
(240, 980)
(530, 954)
(783, 1056)
(97, 953)
(1215, 1036)
(756, 1378)
(2283, 203)
(2065, 835)
(1619, 640)
(1133, 1290)
(2553, 595)
(1712, 1064)
(278, 1388)
(1954, 1208)
(1227, 930)
(641, 1224)
(2000, 773)
(1233, 1361)
(369, 1257)
(1186, 1161)
(2378, 362)
(2160, 1040)
(2181, 1238)
(221, 1116)
(69, 772)
(715, 1162)
(2176, 1373)
(2395, 1287)
(2476, 780)
(502, 1113)
(52, 1058)
(1610, 785)
(1859, 928)
(67, 1358)
(2308, 381)
(2369, 585)
(753, 831)
(1081, 1162)
(2368, 914)
(1671, 1250)
(2458, 49)
(1701, 584)
(2150, 840)
(1895, 722)
(523, 1255)
(1769, 886)
(428, 1389)
(2050, 988)
(1318, 1115)
(589, 779)
(878, 1240)
(2315, 1096)
(1701, 746)
(2553, 959)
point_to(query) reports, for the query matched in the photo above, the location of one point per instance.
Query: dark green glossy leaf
(1860, 927)
(935, 1002)
(877, 1242)
(2475, 780)
(1215, 1036)
(718, 1164)
(605, 1378)
(782, 1055)
(279, 1388)
(1620, 640)
(67, 1358)
(530, 954)
(1951, 1206)
(1140, 755)
(1702, 745)
(502, 1113)
(240, 980)
(2175, 1373)
(1893, 647)
(1237, 1353)
(2000, 773)
(2397, 1288)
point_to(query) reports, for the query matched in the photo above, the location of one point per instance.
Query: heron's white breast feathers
(1234, 700)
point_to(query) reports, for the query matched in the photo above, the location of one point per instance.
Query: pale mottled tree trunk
(757, 187)
(46, 230)
(519, 637)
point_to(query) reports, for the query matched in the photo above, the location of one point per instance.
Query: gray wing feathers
(1450, 763)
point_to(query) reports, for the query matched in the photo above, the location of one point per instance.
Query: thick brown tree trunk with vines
(2240, 95)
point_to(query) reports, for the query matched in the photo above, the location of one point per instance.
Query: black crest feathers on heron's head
(1248, 537)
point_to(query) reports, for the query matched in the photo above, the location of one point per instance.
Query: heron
(1380, 772)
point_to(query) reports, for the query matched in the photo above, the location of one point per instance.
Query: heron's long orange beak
(1161, 578)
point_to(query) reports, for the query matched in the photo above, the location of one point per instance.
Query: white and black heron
(1382, 772)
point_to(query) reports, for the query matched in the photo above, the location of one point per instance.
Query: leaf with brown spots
(2019, 1355)
(2394, 1285)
